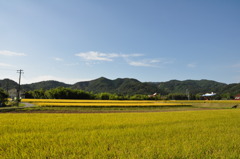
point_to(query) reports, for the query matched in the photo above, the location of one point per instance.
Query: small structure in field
(13, 94)
(208, 96)
(237, 97)
(152, 95)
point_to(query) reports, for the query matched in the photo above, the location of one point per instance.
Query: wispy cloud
(237, 65)
(58, 59)
(139, 63)
(72, 64)
(94, 57)
(11, 53)
(98, 56)
(191, 65)
(144, 63)
(149, 62)
(5, 65)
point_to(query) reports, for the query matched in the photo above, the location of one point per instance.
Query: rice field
(182, 134)
(102, 103)
(133, 103)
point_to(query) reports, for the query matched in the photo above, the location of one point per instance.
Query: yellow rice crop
(184, 134)
(66, 102)
(72, 102)
(83, 101)
(125, 101)
(203, 101)
(110, 104)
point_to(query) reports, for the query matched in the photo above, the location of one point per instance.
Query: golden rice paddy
(185, 134)
(125, 103)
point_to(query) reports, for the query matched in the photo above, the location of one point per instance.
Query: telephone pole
(19, 86)
(187, 94)
(7, 85)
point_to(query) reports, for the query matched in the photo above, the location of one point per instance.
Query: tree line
(3, 97)
(69, 93)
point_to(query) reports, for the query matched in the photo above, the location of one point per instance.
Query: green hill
(44, 85)
(132, 86)
(8, 84)
(192, 86)
(119, 86)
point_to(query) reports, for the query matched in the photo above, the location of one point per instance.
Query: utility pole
(187, 94)
(7, 84)
(19, 86)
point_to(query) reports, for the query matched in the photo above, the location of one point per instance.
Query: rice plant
(184, 134)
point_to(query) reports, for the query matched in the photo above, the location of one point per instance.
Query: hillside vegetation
(128, 86)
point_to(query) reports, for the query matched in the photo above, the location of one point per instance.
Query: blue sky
(149, 40)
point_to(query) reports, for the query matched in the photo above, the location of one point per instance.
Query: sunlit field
(183, 134)
(125, 103)
(133, 103)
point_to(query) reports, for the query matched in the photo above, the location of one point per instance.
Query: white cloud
(236, 65)
(130, 55)
(191, 65)
(98, 56)
(139, 63)
(5, 65)
(95, 56)
(10, 53)
(72, 64)
(58, 59)
(154, 61)
(149, 62)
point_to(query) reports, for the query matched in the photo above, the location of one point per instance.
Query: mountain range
(132, 86)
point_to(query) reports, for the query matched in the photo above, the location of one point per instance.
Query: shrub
(3, 97)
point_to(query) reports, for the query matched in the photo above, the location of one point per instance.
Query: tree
(177, 96)
(3, 97)
(104, 96)
(59, 93)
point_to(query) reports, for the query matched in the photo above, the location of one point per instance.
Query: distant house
(237, 97)
(152, 95)
(13, 94)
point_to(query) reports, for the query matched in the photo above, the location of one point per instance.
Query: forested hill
(133, 86)
(10, 84)
(119, 86)
(45, 85)
(192, 86)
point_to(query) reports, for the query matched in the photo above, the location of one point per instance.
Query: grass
(182, 134)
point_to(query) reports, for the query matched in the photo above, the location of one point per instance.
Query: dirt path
(27, 105)
(15, 108)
